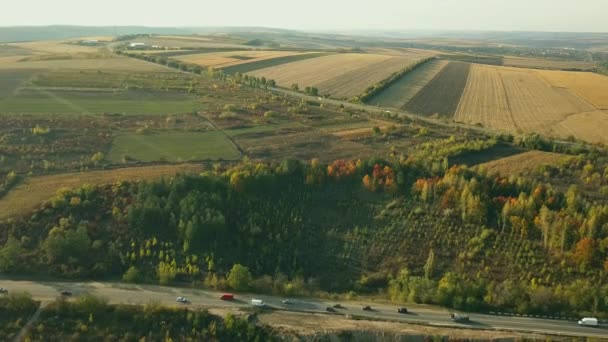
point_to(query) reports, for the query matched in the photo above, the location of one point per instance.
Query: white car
(286, 301)
(181, 299)
(3, 290)
(589, 321)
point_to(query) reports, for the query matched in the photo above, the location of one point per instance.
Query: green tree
(295, 87)
(64, 244)
(131, 275)
(430, 263)
(239, 278)
(9, 254)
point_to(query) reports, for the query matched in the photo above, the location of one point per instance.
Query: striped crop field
(219, 60)
(591, 87)
(442, 94)
(400, 92)
(547, 63)
(521, 101)
(341, 75)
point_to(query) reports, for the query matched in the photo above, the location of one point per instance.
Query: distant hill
(29, 33)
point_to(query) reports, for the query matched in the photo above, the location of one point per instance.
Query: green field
(53, 104)
(173, 146)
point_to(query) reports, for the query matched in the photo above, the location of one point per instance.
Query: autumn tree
(584, 251)
(239, 278)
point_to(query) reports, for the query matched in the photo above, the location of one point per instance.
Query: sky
(492, 15)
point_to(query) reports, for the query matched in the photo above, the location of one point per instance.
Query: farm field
(235, 132)
(300, 142)
(400, 92)
(546, 63)
(53, 46)
(54, 102)
(11, 80)
(35, 190)
(517, 100)
(442, 94)
(404, 52)
(590, 126)
(219, 60)
(271, 62)
(176, 42)
(112, 63)
(63, 91)
(591, 87)
(521, 163)
(10, 50)
(341, 75)
(173, 147)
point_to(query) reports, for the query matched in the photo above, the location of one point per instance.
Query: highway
(47, 291)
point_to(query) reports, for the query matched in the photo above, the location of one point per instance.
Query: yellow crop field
(546, 63)
(485, 100)
(113, 63)
(33, 191)
(341, 75)
(404, 52)
(54, 46)
(225, 59)
(592, 87)
(516, 100)
(523, 162)
(590, 126)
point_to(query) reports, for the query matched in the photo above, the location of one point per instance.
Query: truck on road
(227, 296)
(589, 321)
(258, 302)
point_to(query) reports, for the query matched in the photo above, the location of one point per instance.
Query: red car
(227, 296)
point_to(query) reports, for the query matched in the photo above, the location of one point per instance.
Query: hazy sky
(533, 15)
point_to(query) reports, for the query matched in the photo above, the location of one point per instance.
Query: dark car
(367, 308)
(402, 310)
(330, 309)
(338, 306)
(65, 293)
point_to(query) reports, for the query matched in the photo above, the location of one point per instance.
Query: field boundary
(509, 107)
(232, 141)
(270, 62)
(377, 88)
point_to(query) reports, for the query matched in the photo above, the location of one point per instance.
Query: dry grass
(314, 324)
(342, 75)
(517, 100)
(520, 163)
(590, 126)
(114, 63)
(535, 104)
(33, 191)
(545, 63)
(54, 46)
(225, 59)
(592, 87)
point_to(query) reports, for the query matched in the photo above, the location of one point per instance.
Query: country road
(47, 291)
